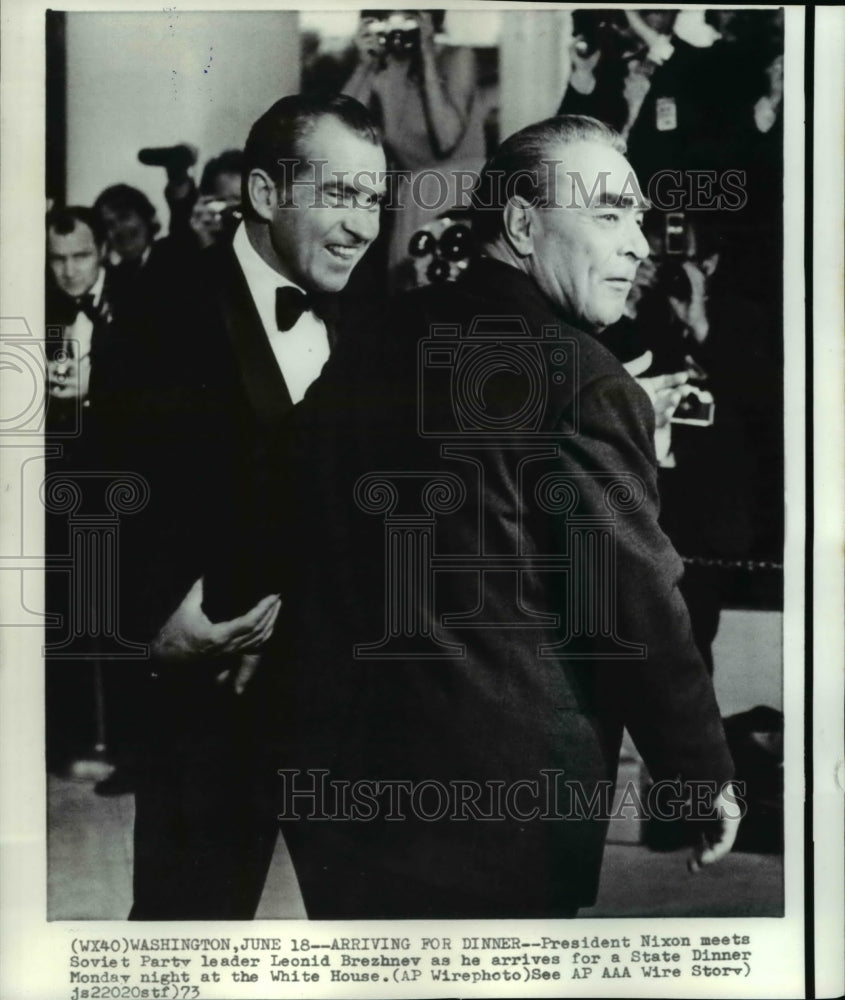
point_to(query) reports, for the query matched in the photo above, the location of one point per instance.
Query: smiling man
(527, 608)
(200, 398)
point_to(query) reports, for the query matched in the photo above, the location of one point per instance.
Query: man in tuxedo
(79, 305)
(461, 716)
(206, 383)
(79, 310)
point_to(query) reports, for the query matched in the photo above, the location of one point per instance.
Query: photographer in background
(137, 257)
(423, 95)
(422, 92)
(199, 217)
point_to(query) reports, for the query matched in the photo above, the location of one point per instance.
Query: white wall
(534, 66)
(155, 78)
(748, 660)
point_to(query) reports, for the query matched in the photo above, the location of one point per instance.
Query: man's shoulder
(487, 305)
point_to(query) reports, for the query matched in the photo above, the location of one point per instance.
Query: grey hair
(520, 167)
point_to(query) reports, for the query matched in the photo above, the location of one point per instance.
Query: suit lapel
(262, 381)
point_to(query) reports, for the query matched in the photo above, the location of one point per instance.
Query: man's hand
(243, 672)
(206, 219)
(423, 18)
(189, 635)
(582, 75)
(68, 378)
(719, 840)
(664, 393)
(366, 40)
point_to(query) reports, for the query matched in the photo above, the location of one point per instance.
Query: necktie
(291, 303)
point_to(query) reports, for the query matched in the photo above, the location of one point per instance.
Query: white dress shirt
(301, 351)
(78, 335)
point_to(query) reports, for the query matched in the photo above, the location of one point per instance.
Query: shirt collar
(258, 273)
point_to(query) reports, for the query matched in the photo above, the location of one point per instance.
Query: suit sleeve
(665, 699)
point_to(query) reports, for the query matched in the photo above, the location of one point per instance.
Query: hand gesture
(244, 672)
(719, 840)
(582, 77)
(206, 219)
(189, 635)
(664, 391)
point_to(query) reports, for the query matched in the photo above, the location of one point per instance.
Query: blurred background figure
(421, 89)
(199, 217)
(720, 476)
(80, 304)
(131, 225)
(423, 92)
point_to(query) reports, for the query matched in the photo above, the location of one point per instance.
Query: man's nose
(635, 244)
(363, 223)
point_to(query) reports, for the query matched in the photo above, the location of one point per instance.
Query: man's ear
(263, 195)
(518, 225)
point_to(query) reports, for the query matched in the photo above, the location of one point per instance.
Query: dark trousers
(205, 815)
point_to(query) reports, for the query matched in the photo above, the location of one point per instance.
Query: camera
(676, 237)
(495, 381)
(441, 250)
(607, 30)
(397, 35)
(696, 408)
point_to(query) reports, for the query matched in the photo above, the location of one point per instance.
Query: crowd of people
(195, 359)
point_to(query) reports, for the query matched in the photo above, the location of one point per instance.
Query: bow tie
(85, 304)
(291, 303)
(70, 307)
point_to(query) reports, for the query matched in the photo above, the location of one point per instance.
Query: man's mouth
(342, 251)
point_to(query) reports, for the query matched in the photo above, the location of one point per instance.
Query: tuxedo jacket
(196, 404)
(67, 419)
(550, 617)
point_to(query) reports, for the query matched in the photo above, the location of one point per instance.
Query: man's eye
(610, 216)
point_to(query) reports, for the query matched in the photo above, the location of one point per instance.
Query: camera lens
(456, 242)
(422, 244)
(438, 271)
(396, 42)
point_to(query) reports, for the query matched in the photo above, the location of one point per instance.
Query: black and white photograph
(405, 532)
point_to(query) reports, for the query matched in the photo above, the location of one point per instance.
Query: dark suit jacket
(197, 405)
(498, 712)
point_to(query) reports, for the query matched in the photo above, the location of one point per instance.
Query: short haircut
(517, 167)
(64, 220)
(279, 132)
(122, 198)
(230, 161)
